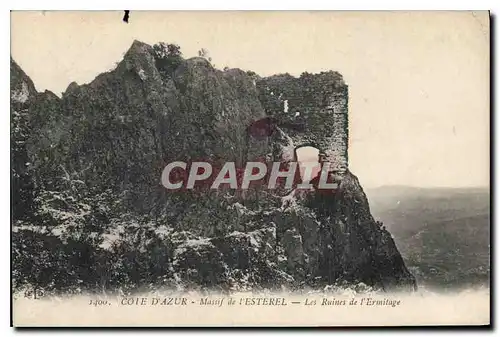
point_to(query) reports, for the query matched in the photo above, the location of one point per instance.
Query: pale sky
(418, 82)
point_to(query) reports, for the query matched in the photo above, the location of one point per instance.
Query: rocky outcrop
(120, 130)
(22, 95)
(90, 163)
(357, 247)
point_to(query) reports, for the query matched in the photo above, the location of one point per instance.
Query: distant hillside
(442, 233)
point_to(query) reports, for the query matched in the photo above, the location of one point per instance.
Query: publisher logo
(34, 293)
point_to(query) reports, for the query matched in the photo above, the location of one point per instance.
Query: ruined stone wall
(337, 149)
(311, 110)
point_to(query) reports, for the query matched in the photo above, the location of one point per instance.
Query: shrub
(168, 57)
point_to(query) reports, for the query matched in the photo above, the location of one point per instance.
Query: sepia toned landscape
(398, 130)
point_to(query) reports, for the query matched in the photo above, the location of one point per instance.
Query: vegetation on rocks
(90, 214)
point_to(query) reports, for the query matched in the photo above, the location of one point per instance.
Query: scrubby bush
(168, 57)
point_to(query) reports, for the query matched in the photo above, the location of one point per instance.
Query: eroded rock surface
(87, 168)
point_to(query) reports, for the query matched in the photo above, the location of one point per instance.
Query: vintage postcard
(190, 168)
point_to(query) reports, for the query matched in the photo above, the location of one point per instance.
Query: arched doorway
(307, 156)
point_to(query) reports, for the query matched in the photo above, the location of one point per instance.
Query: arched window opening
(308, 156)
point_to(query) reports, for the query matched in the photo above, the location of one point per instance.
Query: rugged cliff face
(22, 93)
(121, 130)
(87, 170)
